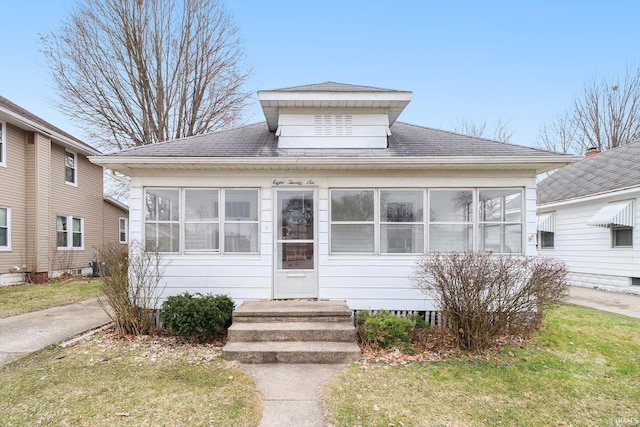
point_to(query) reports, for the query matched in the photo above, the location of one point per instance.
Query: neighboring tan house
(330, 198)
(589, 219)
(53, 214)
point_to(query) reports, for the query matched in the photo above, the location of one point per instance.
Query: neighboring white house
(588, 216)
(330, 198)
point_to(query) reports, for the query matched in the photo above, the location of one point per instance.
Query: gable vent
(333, 125)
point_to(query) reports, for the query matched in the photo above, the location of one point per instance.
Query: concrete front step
(292, 352)
(291, 331)
(292, 311)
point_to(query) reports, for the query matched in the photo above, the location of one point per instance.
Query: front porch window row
(416, 220)
(190, 220)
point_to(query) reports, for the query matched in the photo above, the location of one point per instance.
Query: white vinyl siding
(69, 232)
(189, 220)
(5, 229)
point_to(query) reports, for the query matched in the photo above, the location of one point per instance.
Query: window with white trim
(241, 221)
(190, 220)
(450, 220)
(123, 229)
(69, 232)
(70, 168)
(3, 144)
(5, 229)
(401, 221)
(500, 220)
(162, 220)
(352, 221)
(621, 236)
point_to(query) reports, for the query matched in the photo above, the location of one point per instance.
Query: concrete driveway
(26, 333)
(614, 302)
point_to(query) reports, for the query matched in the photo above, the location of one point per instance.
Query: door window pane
(295, 256)
(295, 215)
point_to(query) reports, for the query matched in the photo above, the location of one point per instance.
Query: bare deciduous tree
(605, 115)
(137, 72)
(502, 131)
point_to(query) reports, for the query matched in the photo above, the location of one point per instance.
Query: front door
(295, 269)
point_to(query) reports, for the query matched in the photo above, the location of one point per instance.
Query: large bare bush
(131, 284)
(481, 295)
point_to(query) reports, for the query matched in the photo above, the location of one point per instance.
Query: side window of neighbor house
(546, 230)
(241, 221)
(401, 221)
(622, 236)
(201, 220)
(450, 220)
(500, 220)
(3, 144)
(69, 232)
(123, 229)
(70, 168)
(5, 229)
(162, 220)
(352, 221)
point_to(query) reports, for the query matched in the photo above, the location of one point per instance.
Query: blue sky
(479, 61)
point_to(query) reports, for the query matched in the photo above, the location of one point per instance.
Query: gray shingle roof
(15, 108)
(332, 87)
(614, 169)
(406, 141)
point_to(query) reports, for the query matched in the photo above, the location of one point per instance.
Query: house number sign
(293, 181)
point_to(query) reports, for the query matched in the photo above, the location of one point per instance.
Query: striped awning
(617, 213)
(546, 222)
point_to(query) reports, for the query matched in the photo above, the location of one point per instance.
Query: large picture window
(500, 220)
(190, 220)
(389, 221)
(5, 229)
(450, 220)
(352, 221)
(69, 232)
(401, 221)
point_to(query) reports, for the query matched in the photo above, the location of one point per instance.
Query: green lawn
(133, 382)
(25, 298)
(581, 369)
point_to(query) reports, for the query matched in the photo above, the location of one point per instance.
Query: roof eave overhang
(619, 192)
(271, 102)
(30, 125)
(127, 164)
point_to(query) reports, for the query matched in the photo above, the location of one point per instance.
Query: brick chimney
(591, 151)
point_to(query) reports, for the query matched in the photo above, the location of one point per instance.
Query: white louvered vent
(333, 125)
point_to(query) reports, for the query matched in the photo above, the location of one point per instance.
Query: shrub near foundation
(197, 316)
(386, 330)
(482, 295)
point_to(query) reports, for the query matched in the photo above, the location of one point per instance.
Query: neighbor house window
(201, 220)
(70, 168)
(69, 232)
(547, 240)
(622, 236)
(241, 221)
(3, 144)
(401, 221)
(352, 221)
(123, 229)
(450, 220)
(5, 229)
(162, 220)
(500, 220)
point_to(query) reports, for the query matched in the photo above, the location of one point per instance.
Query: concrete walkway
(614, 302)
(291, 392)
(26, 333)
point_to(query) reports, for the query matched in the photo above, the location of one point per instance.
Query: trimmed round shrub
(197, 316)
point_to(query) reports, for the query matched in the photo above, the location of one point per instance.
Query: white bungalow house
(330, 198)
(588, 217)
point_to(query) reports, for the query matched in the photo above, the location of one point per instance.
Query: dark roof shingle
(614, 169)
